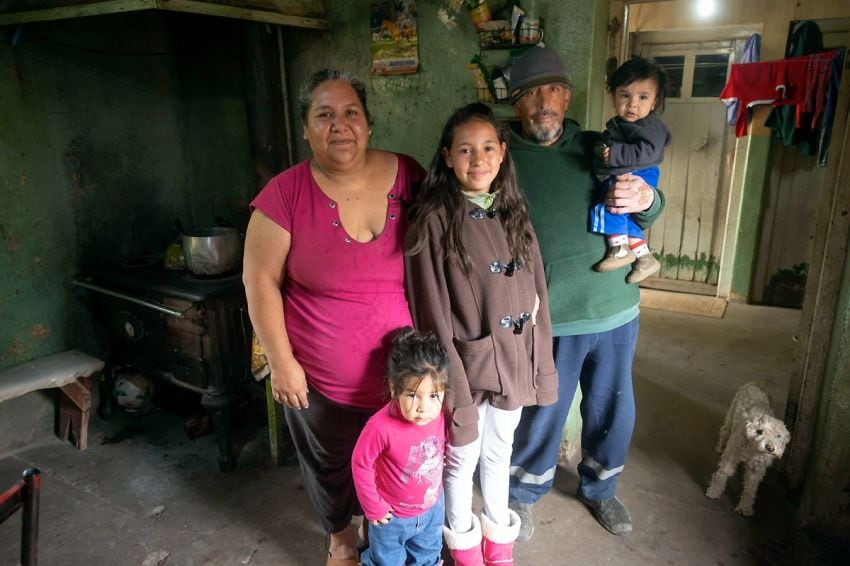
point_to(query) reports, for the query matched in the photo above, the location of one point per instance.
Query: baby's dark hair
(416, 354)
(638, 69)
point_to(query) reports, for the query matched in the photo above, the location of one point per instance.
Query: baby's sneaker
(642, 268)
(615, 258)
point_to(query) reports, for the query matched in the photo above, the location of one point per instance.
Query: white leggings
(491, 452)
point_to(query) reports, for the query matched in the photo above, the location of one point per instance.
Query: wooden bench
(71, 372)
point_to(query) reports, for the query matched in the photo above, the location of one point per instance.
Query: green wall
(410, 110)
(826, 491)
(111, 127)
(752, 199)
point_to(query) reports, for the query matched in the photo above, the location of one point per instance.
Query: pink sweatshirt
(397, 465)
(342, 298)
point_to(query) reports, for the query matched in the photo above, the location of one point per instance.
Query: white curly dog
(750, 435)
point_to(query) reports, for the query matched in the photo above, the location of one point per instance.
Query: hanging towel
(825, 131)
(805, 38)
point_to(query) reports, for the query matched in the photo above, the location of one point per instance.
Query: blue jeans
(409, 541)
(602, 364)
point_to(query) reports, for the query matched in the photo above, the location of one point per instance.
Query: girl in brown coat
(475, 278)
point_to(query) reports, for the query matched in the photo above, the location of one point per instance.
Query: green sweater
(560, 186)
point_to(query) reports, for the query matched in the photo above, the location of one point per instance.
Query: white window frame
(689, 52)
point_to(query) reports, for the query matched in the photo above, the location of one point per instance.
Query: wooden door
(695, 174)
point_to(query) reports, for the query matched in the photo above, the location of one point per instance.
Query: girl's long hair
(441, 190)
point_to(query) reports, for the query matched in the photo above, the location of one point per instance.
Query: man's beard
(542, 134)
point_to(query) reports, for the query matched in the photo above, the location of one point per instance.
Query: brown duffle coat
(494, 354)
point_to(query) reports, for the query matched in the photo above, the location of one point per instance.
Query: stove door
(187, 342)
(136, 332)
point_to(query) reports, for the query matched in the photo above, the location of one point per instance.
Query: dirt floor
(144, 492)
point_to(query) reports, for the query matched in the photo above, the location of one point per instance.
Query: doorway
(696, 171)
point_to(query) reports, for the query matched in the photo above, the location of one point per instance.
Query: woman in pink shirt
(324, 278)
(398, 460)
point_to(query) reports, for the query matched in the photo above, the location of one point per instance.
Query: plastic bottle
(530, 30)
(174, 257)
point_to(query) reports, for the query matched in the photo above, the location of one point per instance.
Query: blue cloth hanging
(750, 54)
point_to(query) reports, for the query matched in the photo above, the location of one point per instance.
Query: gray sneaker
(615, 258)
(642, 268)
(610, 513)
(526, 526)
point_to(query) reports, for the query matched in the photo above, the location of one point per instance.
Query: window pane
(674, 65)
(710, 74)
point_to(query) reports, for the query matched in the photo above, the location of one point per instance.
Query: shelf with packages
(490, 73)
(499, 35)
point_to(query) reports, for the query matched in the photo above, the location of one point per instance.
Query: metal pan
(211, 251)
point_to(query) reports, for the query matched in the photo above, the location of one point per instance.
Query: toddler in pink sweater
(398, 460)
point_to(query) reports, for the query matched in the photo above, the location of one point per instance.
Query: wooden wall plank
(787, 229)
(655, 235)
(795, 243)
(775, 177)
(721, 132)
(711, 162)
(676, 189)
(697, 143)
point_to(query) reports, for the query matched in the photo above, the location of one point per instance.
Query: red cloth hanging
(795, 80)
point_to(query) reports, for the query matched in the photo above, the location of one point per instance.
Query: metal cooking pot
(212, 251)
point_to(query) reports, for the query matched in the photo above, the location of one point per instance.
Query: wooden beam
(189, 6)
(690, 287)
(78, 11)
(235, 12)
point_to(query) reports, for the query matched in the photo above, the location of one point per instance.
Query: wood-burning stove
(192, 332)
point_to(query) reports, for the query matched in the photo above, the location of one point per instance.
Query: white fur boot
(465, 548)
(499, 540)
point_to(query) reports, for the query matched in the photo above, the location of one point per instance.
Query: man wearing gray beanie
(594, 315)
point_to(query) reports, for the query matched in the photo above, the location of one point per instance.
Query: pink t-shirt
(342, 298)
(397, 465)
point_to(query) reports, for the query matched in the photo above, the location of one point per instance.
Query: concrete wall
(410, 110)
(111, 127)
(826, 491)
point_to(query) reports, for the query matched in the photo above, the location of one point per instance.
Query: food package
(480, 80)
(259, 364)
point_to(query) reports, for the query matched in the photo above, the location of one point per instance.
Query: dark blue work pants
(602, 364)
